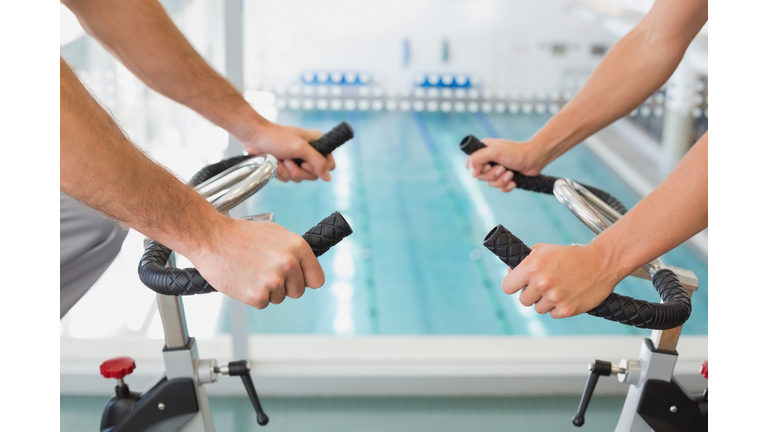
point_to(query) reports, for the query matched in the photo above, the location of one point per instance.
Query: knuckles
(565, 312)
(289, 264)
(257, 298)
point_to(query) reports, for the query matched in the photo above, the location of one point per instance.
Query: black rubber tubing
(673, 312)
(175, 281)
(540, 183)
(331, 140)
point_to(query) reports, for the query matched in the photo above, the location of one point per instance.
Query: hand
(288, 143)
(508, 154)
(563, 281)
(258, 263)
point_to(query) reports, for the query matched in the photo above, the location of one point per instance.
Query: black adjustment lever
(243, 369)
(596, 369)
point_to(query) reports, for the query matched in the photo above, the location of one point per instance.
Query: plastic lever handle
(539, 183)
(331, 140)
(596, 370)
(241, 368)
(674, 310)
(175, 281)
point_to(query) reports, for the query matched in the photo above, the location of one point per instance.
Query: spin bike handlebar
(539, 183)
(672, 312)
(598, 211)
(226, 184)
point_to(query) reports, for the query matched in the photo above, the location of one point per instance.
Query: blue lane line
(487, 125)
(364, 228)
(462, 221)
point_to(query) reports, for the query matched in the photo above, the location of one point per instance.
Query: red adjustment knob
(117, 367)
(705, 369)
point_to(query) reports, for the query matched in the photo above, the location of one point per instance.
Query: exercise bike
(655, 401)
(176, 400)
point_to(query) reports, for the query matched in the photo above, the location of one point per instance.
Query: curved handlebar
(175, 281)
(210, 181)
(673, 312)
(539, 183)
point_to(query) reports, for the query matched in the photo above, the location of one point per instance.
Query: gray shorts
(89, 242)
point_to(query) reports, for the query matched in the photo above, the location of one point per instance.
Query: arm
(142, 36)
(570, 280)
(256, 263)
(640, 63)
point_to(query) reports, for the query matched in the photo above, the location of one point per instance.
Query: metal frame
(658, 354)
(224, 191)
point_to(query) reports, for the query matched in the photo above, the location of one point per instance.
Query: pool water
(415, 264)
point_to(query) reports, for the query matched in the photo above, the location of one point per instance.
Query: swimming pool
(415, 264)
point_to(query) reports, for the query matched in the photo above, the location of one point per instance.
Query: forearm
(103, 169)
(638, 65)
(144, 38)
(671, 214)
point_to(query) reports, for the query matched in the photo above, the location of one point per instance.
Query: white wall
(506, 43)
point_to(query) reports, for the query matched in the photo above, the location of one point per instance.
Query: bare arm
(256, 263)
(640, 63)
(570, 280)
(144, 38)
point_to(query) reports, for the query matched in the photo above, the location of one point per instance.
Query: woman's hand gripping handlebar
(672, 312)
(538, 183)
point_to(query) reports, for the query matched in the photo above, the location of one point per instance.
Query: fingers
(314, 277)
(316, 163)
(277, 296)
(502, 181)
(515, 281)
(481, 157)
(544, 307)
(492, 173)
(294, 284)
(309, 135)
(307, 171)
(509, 187)
(282, 172)
(529, 296)
(297, 173)
(259, 298)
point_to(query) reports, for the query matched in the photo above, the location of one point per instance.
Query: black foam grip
(175, 281)
(673, 312)
(166, 280)
(539, 183)
(505, 245)
(331, 140)
(327, 233)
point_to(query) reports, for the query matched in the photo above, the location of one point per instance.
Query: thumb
(315, 162)
(480, 158)
(310, 135)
